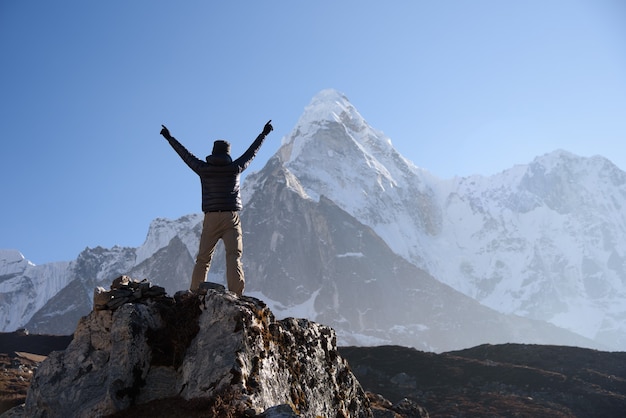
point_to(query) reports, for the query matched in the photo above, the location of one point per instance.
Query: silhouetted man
(221, 203)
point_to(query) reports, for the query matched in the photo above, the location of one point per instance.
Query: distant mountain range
(341, 229)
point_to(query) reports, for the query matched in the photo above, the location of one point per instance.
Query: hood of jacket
(219, 159)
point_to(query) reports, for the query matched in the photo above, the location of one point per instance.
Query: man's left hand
(165, 132)
(268, 127)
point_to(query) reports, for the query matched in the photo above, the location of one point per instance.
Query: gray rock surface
(196, 348)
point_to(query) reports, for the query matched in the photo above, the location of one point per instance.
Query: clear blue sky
(460, 87)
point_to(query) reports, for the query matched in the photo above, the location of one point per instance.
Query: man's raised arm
(191, 160)
(247, 157)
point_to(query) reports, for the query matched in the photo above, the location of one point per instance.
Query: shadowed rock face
(196, 349)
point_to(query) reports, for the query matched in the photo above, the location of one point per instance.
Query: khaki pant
(227, 227)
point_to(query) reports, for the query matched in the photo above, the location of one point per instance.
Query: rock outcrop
(224, 354)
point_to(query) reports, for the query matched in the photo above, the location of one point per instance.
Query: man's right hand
(165, 132)
(268, 127)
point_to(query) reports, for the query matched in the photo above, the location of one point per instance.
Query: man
(221, 203)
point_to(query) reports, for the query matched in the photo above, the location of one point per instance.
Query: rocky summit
(215, 352)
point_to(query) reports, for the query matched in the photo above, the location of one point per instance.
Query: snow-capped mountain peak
(508, 240)
(162, 231)
(543, 240)
(327, 106)
(335, 153)
(26, 287)
(12, 262)
(327, 109)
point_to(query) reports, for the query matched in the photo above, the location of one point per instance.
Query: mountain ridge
(526, 242)
(561, 194)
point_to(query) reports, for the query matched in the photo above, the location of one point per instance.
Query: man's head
(221, 147)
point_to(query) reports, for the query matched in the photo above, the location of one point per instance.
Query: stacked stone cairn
(126, 290)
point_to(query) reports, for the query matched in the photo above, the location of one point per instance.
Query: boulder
(209, 351)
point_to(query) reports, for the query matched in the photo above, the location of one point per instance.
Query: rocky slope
(497, 380)
(488, 380)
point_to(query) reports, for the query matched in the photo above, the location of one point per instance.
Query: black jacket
(219, 175)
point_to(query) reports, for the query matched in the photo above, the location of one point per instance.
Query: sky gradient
(460, 87)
